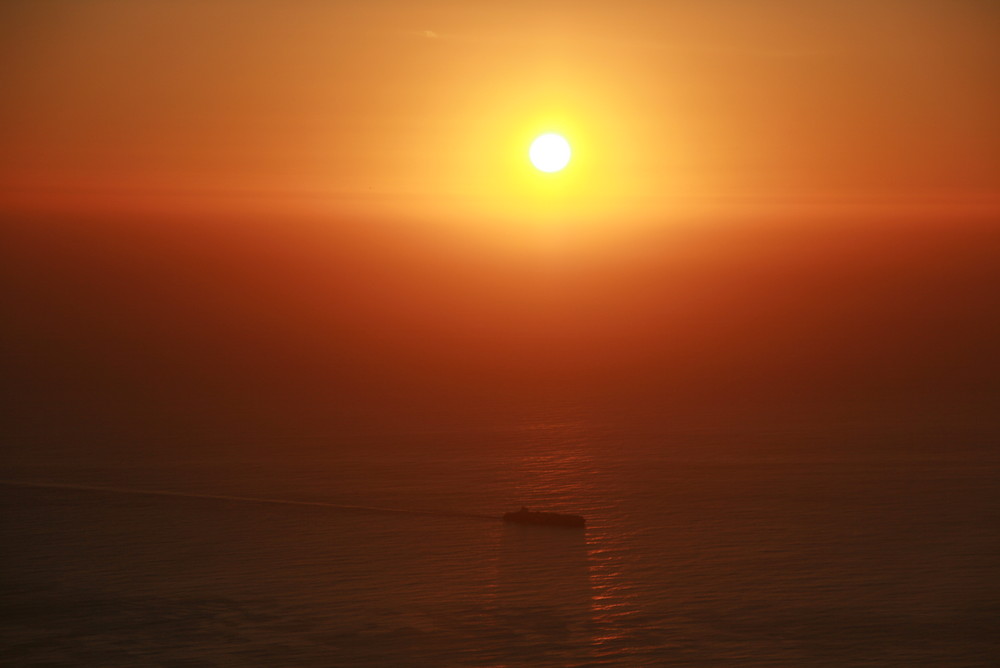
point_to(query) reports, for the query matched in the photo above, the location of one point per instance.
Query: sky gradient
(240, 212)
(427, 108)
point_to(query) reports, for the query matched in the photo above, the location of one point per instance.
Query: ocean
(701, 549)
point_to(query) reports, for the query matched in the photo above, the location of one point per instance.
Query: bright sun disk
(549, 152)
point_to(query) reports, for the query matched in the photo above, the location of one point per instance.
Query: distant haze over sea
(304, 327)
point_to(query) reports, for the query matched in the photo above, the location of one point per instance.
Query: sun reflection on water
(561, 472)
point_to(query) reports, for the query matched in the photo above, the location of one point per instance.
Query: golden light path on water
(584, 571)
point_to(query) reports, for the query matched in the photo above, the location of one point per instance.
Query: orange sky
(672, 263)
(426, 108)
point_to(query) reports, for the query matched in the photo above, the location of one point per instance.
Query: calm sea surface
(700, 551)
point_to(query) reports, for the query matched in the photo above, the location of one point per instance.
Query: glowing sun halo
(549, 152)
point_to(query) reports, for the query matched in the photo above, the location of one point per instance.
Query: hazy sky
(427, 107)
(769, 203)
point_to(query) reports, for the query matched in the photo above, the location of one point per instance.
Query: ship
(525, 516)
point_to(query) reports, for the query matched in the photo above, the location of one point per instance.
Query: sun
(550, 152)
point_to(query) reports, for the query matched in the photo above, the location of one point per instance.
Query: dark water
(700, 551)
